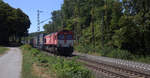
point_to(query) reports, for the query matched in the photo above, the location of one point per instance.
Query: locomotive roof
(57, 32)
(51, 34)
(64, 30)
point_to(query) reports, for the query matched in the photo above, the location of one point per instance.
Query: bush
(142, 58)
(86, 48)
(26, 47)
(147, 59)
(27, 62)
(35, 52)
(105, 51)
(82, 48)
(112, 53)
(70, 69)
(42, 58)
(61, 67)
(120, 54)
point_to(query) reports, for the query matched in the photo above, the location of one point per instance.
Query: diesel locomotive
(60, 42)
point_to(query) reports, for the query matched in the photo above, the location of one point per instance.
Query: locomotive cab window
(61, 37)
(69, 37)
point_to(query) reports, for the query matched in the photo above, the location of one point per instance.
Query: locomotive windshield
(67, 37)
(61, 37)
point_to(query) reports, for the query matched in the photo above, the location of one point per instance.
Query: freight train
(60, 43)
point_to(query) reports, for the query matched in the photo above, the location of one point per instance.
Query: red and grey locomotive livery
(60, 42)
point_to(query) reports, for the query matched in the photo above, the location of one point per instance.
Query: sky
(30, 7)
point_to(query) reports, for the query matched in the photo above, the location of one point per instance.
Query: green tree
(56, 22)
(123, 24)
(13, 22)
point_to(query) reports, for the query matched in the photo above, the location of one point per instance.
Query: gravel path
(10, 64)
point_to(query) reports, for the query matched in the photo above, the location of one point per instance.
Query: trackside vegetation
(3, 50)
(113, 53)
(56, 66)
(27, 64)
(113, 28)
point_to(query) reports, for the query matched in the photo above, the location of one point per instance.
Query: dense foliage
(61, 67)
(56, 22)
(13, 23)
(122, 24)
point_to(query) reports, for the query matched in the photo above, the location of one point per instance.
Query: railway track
(110, 71)
(103, 69)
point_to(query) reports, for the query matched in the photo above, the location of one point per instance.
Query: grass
(54, 66)
(112, 53)
(3, 50)
(27, 65)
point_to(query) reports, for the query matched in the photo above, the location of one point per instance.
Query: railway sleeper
(127, 73)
